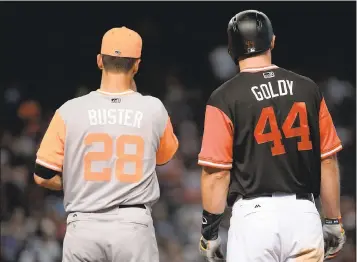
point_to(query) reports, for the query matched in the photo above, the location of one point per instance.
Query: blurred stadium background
(49, 56)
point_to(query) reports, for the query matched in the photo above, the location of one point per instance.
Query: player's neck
(115, 83)
(260, 61)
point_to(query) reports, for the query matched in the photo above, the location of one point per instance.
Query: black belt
(300, 196)
(137, 206)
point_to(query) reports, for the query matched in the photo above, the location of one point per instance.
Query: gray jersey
(111, 145)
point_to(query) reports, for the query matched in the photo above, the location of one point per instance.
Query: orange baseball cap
(122, 42)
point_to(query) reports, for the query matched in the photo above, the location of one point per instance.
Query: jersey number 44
(268, 115)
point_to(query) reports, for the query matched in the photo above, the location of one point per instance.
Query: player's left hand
(334, 237)
(211, 249)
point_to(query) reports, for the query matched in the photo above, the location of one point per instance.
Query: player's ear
(136, 66)
(100, 62)
(272, 44)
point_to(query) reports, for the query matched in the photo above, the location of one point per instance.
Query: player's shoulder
(71, 106)
(225, 91)
(153, 102)
(298, 77)
(75, 102)
(155, 107)
(152, 99)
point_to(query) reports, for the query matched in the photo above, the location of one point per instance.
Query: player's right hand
(211, 249)
(334, 237)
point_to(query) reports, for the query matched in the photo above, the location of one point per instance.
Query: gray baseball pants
(117, 235)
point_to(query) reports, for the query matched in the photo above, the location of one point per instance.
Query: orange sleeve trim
(168, 145)
(217, 141)
(329, 141)
(215, 161)
(332, 151)
(48, 165)
(212, 164)
(51, 151)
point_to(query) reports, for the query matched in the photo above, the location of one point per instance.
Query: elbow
(40, 181)
(330, 163)
(222, 176)
(329, 160)
(54, 183)
(216, 173)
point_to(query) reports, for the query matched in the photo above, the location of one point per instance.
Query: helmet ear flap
(235, 59)
(231, 48)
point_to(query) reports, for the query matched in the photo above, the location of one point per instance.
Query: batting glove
(334, 237)
(211, 249)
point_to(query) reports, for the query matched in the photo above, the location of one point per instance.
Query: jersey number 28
(302, 131)
(120, 160)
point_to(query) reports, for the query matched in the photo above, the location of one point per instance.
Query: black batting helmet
(249, 33)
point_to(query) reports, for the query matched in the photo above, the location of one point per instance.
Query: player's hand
(211, 249)
(334, 237)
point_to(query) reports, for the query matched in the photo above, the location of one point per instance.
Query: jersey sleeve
(217, 141)
(168, 143)
(329, 140)
(51, 151)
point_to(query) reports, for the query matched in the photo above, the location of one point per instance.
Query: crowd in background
(33, 221)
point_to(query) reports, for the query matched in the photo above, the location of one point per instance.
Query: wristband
(44, 172)
(210, 225)
(333, 221)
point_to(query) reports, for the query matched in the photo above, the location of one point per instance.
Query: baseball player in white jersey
(102, 150)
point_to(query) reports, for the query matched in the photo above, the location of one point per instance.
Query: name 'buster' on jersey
(106, 145)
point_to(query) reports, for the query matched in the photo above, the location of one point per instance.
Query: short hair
(118, 64)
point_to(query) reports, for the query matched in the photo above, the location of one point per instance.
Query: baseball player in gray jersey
(102, 150)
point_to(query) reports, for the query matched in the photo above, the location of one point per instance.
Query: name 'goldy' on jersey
(271, 142)
(270, 115)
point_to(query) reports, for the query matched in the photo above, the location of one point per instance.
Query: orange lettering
(127, 158)
(303, 131)
(266, 115)
(121, 158)
(97, 156)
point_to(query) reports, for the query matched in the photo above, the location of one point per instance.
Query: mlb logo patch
(268, 74)
(117, 52)
(116, 100)
(250, 45)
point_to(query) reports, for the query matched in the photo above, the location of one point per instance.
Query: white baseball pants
(280, 228)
